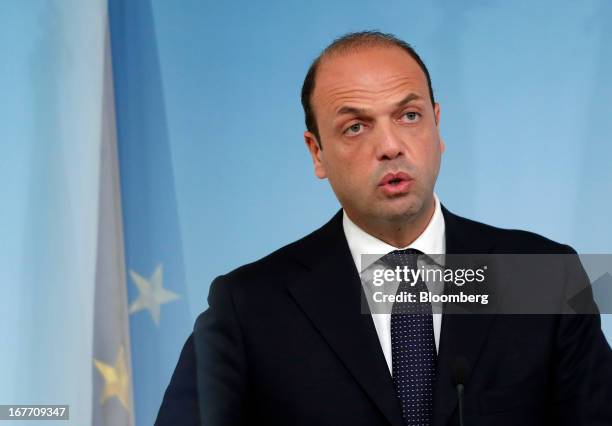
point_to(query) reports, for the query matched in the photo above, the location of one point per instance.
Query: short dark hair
(345, 44)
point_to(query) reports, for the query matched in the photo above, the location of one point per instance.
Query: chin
(409, 205)
(399, 211)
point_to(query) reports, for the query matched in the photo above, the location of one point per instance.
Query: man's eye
(354, 129)
(412, 116)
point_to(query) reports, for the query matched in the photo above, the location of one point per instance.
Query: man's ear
(316, 152)
(437, 117)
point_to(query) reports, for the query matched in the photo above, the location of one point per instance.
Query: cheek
(347, 160)
(347, 172)
(433, 160)
(431, 148)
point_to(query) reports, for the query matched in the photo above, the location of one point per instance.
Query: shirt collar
(431, 240)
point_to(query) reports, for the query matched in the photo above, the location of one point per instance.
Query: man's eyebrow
(409, 98)
(351, 110)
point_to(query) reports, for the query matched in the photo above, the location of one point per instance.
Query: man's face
(379, 133)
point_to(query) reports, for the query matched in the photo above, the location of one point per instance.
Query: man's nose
(389, 144)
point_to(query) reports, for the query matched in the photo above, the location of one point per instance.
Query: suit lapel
(461, 334)
(331, 295)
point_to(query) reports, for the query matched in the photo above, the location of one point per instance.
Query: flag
(112, 382)
(158, 301)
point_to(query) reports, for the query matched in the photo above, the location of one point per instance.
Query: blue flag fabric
(159, 312)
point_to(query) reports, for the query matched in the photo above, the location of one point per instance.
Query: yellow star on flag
(152, 294)
(116, 379)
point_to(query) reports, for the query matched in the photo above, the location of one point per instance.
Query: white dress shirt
(431, 241)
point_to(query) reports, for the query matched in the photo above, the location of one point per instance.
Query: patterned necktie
(413, 348)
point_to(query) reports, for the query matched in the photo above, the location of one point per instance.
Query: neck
(399, 232)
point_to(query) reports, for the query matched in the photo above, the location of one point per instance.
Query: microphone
(460, 370)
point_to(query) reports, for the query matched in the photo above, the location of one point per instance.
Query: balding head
(346, 45)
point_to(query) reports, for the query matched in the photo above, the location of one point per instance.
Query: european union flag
(159, 314)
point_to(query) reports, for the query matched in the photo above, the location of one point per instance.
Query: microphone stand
(460, 398)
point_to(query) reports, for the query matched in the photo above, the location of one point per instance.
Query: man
(284, 341)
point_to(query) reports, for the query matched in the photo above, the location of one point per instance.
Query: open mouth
(395, 184)
(394, 179)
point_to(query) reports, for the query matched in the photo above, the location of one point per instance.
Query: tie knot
(407, 257)
(408, 252)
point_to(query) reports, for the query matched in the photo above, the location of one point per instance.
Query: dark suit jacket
(283, 342)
